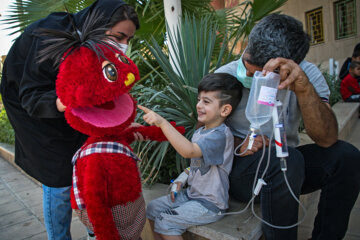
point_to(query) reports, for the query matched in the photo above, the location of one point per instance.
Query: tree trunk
(172, 10)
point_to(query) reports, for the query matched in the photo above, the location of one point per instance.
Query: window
(314, 25)
(345, 18)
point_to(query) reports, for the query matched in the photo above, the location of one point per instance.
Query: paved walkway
(21, 215)
(21, 203)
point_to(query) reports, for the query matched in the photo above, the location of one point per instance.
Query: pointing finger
(145, 109)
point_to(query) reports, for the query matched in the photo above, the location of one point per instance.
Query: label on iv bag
(267, 96)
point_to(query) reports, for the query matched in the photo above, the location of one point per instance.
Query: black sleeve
(37, 92)
(344, 69)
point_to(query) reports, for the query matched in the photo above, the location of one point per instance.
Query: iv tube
(279, 131)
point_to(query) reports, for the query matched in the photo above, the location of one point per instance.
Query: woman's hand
(60, 106)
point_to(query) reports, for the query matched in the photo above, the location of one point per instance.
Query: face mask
(123, 47)
(241, 75)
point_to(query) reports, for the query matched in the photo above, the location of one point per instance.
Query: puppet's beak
(130, 79)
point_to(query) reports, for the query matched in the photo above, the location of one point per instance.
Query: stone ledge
(232, 227)
(346, 115)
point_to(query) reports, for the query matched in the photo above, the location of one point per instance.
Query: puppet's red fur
(105, 180)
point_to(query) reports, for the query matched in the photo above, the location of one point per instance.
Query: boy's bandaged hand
(178, 183)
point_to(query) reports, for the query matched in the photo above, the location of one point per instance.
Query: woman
(44, 142)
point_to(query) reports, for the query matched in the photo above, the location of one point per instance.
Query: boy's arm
(181, 144)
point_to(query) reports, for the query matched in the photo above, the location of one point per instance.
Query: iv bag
(262, 98)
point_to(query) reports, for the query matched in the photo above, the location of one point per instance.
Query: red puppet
(93, 83)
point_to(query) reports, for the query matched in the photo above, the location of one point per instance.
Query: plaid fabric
(129, 218)
(98, 147)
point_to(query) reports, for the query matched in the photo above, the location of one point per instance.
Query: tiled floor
(21, 215)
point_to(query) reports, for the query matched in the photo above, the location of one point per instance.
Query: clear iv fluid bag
(262, 98)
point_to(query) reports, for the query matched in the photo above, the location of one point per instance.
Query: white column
(172, 9)
(331, 67)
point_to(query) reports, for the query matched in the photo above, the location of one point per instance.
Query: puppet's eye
(110, 72)
(123, 59)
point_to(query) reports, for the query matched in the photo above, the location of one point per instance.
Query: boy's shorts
(173, 218)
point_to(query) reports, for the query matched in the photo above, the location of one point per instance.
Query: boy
(211, 152)
(350, 88)
(346, 65)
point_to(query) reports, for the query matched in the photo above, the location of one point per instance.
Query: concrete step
(232, 227)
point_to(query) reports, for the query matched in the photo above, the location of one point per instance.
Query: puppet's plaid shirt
(98, 147)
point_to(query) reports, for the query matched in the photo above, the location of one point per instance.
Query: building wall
(340, 49)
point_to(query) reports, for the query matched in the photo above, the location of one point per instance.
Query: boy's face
(355, 72)
(209, 110)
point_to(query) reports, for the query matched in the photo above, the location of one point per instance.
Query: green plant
(7, 134)
(334, 86)
(176, 99)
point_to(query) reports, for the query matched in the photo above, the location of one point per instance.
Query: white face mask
(123, 47)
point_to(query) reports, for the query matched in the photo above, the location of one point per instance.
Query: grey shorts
(173, 218)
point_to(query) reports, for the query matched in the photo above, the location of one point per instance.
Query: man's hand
(152, 117)
(60, 106)
(257, 145)
(291, 74)
(319, 120)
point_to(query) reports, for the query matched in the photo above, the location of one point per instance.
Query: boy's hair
(229, 88)
(356, 52)
(354, 64)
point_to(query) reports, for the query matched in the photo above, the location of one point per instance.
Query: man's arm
(319, 120)
(181, 144)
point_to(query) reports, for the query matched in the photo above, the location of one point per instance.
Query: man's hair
(229, 88)
(124, 12)
(354, 64)
(356, 52)
(277, 35)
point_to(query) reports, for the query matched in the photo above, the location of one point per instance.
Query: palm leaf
(176, 101)
(22, 13)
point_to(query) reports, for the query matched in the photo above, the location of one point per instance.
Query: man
(278, 43)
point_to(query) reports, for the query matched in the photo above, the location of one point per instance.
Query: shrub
(7, 134)
(334, 86)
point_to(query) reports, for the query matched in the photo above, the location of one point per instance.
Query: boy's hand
(152, 117)
(178, 188)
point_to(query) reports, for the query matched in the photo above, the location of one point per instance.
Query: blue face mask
(241, 75)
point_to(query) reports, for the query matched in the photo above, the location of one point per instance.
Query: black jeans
(334, 170)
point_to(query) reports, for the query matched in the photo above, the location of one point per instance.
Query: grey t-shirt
(239, 124)
(208, 178)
